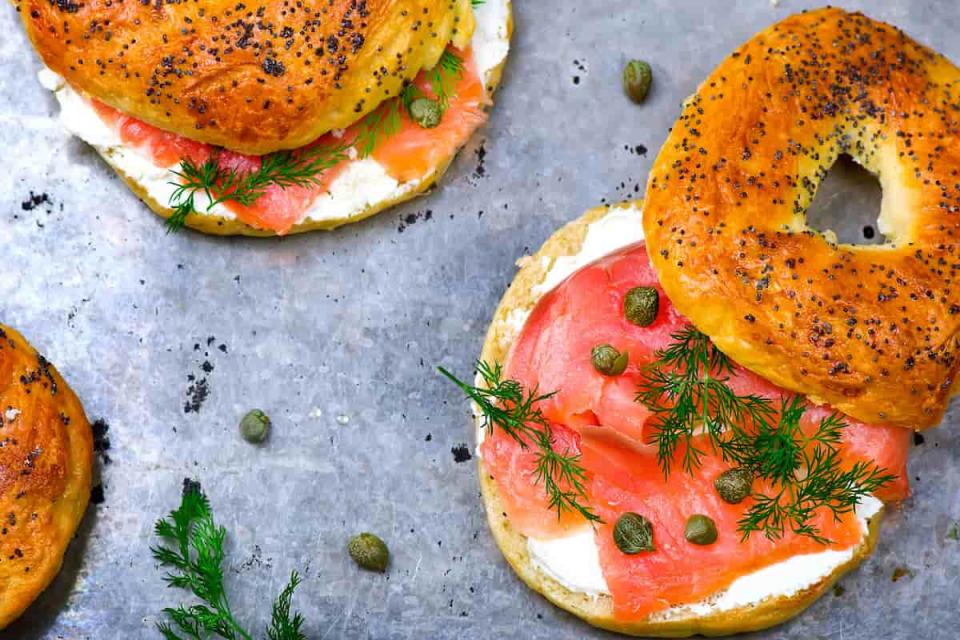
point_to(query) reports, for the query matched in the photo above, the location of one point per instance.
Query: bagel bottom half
(46, 458)
(522, 295)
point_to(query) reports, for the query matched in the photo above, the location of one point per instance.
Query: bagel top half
(253, 78)
(871, 330)
(46, 455)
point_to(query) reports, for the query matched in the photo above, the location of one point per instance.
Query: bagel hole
(847, 203)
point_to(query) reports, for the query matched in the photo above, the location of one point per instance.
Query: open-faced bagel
(46, 455)
(567, 246)
(251, 78)
(872, 330)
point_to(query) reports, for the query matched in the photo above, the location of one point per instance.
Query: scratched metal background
(336, 336)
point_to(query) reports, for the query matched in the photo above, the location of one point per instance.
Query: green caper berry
(633, 533)
(426, 112)
(254, 426)
(608, 360)
(369, 552)
(700, 529)
(734, 485)
(640, 306)
(637, 76)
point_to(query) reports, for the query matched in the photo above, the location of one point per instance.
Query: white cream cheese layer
(573, 560)
(362, 184)
(619, 228)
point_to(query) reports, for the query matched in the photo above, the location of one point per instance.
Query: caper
(637, 77)
(254, 426)
(633, 533)
(369, 552)
(734, 485)
(700, 529)
(640, 306)
(608, 360)
(425, 112)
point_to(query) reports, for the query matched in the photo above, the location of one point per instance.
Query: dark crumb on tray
(481, 154)
(412, 218)
(900, 572)
(461, 453)
(34, 200)
(198, 384)
(197, 392)
(101, 439)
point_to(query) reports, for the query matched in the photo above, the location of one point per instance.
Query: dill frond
(191, 550)
(506, 405)
(302, 168)
(686, 389)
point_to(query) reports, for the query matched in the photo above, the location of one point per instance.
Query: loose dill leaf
(192, 551)
(506, 405)
(477, 3)
(686, 389)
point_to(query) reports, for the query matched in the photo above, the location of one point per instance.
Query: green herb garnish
(303, 167)
(686, 388)
(505, 404)
(192, 551)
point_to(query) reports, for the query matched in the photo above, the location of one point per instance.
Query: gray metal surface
(336, 336)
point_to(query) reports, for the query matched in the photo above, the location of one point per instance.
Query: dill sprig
(304, 167)
(380, 124)
(192, 551)
(506, 405)
(686, 389)
(301, 168)
(443, 78)
(806, 475)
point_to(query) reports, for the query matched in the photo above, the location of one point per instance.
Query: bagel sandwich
(261, 121)
(551, 310)
(663, 468)
(46, 458)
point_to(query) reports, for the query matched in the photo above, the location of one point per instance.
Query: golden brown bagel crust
(254, 78)
(46, 455)
(521, 296)
(872, 330)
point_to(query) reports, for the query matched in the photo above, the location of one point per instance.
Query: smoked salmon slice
(597, 417)
(408, 153)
